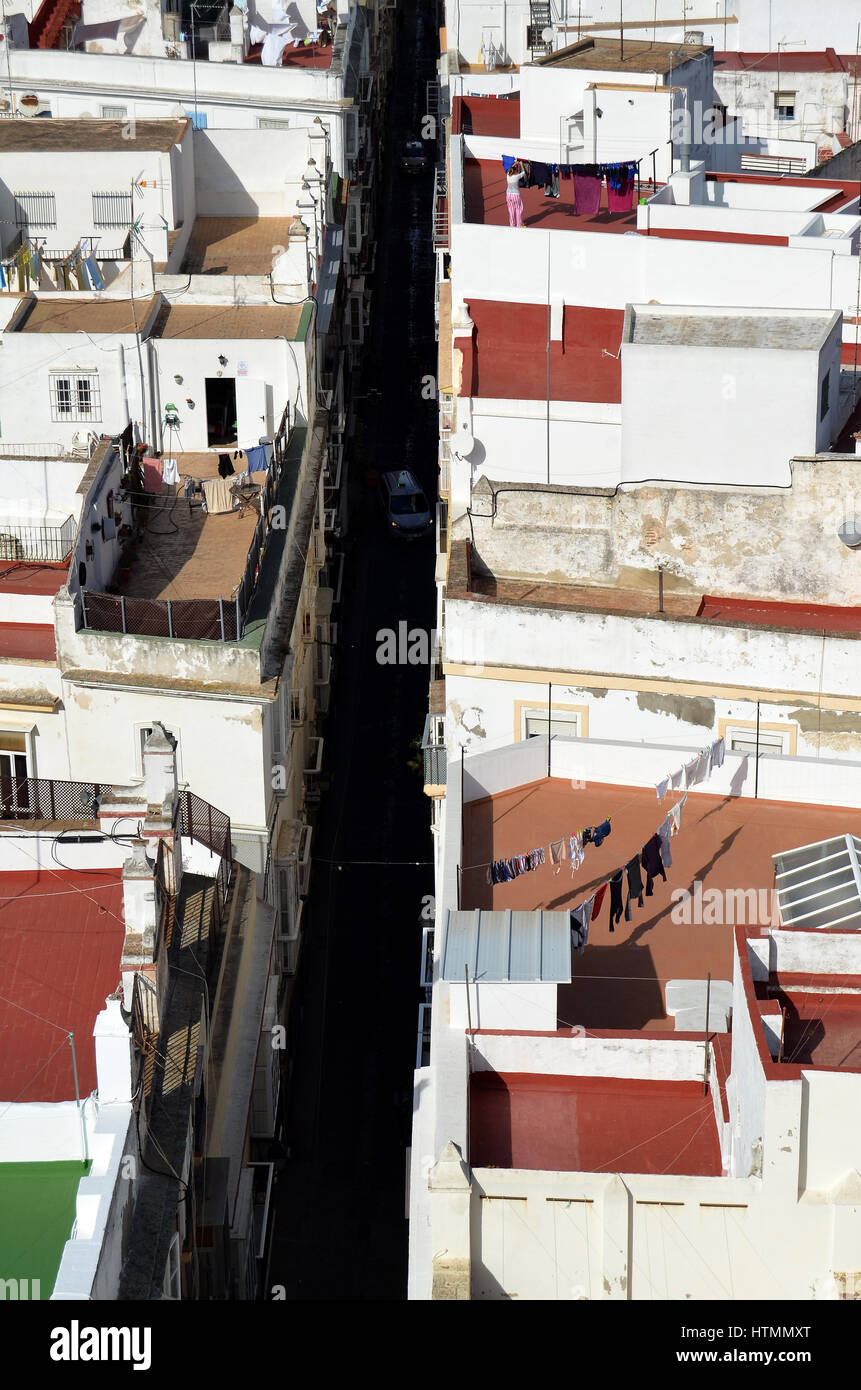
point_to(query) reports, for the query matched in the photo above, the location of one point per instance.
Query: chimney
(113, 1054)
(159, 763)
(290, 271)
(139, 909)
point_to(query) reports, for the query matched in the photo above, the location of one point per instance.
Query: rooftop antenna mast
(621, 31)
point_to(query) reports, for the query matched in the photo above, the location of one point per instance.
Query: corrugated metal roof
(501, 946)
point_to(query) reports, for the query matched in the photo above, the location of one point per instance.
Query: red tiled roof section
(825, 60)
(31, 579)
(765, 612)
(61, 937)
(29, 641)
(511, 353)
(498, 116)
(587, 1124)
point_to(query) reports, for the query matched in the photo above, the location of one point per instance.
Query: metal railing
(48, 544)
(37, 798)
(440, 209)
(32, 451)
(434, 752)
(196, 819)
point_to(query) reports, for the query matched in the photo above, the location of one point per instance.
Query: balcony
(434, 756)
(37, 798)
(440, 210)
(49, 545)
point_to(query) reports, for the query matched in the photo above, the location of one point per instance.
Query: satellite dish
(464, 445)
(850, 532)
(547, 35)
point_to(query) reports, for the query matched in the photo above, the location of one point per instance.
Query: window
(823, 397)
(351, 133)
(270, 123)
(775, 740)
(172, 1284)
(113, 113)
(75, 396)
(112, 210)
(784, 106)
(198, 119)
(14, 791)
(354, 226)
(563, 723)
(35, 209)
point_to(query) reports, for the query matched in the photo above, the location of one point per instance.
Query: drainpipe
(154, 405)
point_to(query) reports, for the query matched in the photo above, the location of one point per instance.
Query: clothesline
(587, 180)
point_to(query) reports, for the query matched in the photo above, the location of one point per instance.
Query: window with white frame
(784, 106)
(741, 737)
(564, 723)
(272, 123)
(112, 209)
(35, 209)
(113, 113)
(14, 770)
(75, 396)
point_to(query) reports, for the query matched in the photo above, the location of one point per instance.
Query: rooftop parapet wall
(779, 544)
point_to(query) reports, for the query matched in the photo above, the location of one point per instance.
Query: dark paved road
(340, 1229)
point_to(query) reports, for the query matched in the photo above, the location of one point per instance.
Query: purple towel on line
(587, 195)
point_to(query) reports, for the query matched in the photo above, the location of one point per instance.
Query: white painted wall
(238, 177)
(643, 1058)
(511, 443)
(34, 491)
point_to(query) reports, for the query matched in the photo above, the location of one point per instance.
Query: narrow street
(340, 1228)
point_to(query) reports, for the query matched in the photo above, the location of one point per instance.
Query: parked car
(415, 156)
(405, 506)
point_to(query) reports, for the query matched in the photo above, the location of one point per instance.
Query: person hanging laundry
(663, 833)
(513, 200)
(635, 884)
(653, 863)
(600, 832)
(558, 852)
(662, 787)
(718, 750)
(507, 161)
(616, 907)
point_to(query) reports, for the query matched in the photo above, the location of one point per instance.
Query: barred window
(75, 396)
(35, 209)
(112, 209)
(114, 113)
(271, 123)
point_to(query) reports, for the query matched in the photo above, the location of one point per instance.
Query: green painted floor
(37, 1211)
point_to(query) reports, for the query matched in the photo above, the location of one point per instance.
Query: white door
(252, 420)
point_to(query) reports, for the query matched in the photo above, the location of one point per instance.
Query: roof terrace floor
(484, 202)
(185, 552)
(724, 843)
(233, 245)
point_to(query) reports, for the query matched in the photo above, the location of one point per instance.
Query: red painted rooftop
(821, 1030)
(587, 1124)
(29, 641)
(821, 617)
(312, 55)
(510, 355)
(498, 116)
(788, 60)
(61, 937)
(724, 843)
(31, 579)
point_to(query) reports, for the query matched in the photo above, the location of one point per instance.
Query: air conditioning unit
(27, 107)
(695, 36)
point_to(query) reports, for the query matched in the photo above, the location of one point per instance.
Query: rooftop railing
(37, 544)
(38, 798)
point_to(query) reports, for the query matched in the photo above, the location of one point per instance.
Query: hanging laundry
(616, 907)
(580, 917)
(256, 459)
(600, 832)
(718, 749)
(635, 884)
(587, 194)
(676, 779)
(152, 474)
(653, 863)
(557, 853)
(93, 272)
(621, 179)
(575, 851)
(675, 817)
(599, 899)
(662, 787)
(169, 472)
(508, 160)
(691, 769)
(663, 833)
(225, 467)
